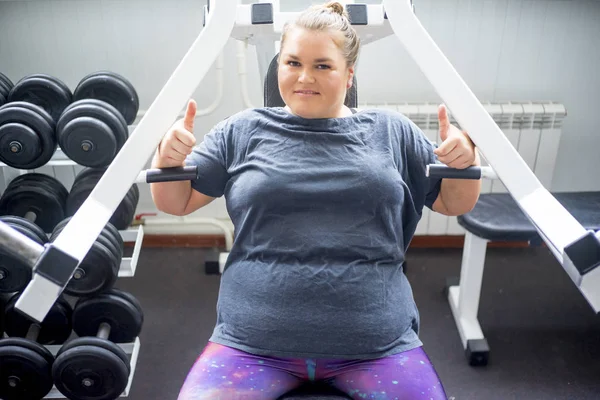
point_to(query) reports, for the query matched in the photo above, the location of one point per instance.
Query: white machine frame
(226, 18)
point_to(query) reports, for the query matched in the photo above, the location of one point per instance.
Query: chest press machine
(577, 248)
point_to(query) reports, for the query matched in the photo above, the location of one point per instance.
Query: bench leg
(464, 300)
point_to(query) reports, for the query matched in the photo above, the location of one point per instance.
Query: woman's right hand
(179, 141)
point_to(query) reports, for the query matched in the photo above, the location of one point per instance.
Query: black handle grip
(444, 171)
(187, 173)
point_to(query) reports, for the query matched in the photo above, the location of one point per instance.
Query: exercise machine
(577, 249)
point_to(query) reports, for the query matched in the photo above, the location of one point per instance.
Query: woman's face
(313, 74)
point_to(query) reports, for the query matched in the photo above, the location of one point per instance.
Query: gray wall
(506, 50)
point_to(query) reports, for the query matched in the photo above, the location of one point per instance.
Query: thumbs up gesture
(457, 150)
(179, 141)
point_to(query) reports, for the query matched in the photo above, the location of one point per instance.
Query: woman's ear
(350, 77)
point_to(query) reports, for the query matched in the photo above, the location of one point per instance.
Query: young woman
(325, 201)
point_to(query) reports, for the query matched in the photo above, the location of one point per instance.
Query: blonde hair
(329, 17)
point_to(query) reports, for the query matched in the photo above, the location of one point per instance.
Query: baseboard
(218, 241)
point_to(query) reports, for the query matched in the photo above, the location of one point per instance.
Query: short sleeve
(420, 151)
(210, 158)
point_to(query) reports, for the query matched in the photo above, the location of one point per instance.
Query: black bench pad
(315, 391)
(496, 216)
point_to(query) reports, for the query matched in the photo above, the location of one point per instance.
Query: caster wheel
(477, 352)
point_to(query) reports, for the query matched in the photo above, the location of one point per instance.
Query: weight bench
(497, 217)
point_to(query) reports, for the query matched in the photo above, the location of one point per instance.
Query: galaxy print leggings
(223, 373)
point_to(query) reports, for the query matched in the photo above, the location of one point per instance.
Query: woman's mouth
(306, 92)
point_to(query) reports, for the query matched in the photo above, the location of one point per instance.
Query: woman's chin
(305, 111)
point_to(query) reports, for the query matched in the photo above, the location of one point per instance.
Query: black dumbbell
(5, 86)
(15, 274)
(83, 185)
(99, 269)
(111, 88)
(93, 129)
(39, 198)
(27, 135)
(93, 366)
(43, 90)
(25, 364)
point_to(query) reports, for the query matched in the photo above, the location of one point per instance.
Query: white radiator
(533, 128)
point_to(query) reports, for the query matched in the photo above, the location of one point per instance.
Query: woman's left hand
(457, 150)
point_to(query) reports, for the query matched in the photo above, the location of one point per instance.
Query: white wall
(506, 50)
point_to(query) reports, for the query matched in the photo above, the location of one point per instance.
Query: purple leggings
(223, 373)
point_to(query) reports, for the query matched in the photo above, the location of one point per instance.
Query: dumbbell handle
(19, 245)
(104, 331)
(33, 333)
(444, 171)
(30, 216)
(186, 173)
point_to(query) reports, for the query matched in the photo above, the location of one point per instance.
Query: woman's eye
(293, 63)
(323, 66)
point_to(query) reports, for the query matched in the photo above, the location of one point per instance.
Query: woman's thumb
(190, 115)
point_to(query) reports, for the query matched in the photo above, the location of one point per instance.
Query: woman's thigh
(223, 373)
(409, 375)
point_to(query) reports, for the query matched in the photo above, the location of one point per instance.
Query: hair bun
(335, 7)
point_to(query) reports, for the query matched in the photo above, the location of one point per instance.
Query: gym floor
(543, 336)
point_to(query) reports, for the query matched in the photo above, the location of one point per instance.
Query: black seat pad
(496, 216)
(315, 391)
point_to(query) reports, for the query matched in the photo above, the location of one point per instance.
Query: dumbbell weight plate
(55, 329)
(130, 299)
(122, 216)
(114, 234)
(121, 314)
(100, 272)
(25, 370)
(15, 274)
(97, 342)
(109, 233)
(38, 110)
(90, 372)
(88, 172)
(2, 99)
(32, 229)
(43, 90)
(88, 141)
(104, 238)
(110, 115)
(125, 214)
(37, 181)
(47, 180)
(27, 125)
(44, 203)
(5, 86)
(111, 88)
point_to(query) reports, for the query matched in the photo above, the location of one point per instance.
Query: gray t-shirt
(324, 210)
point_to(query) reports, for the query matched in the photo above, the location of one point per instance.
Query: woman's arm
(457, 196)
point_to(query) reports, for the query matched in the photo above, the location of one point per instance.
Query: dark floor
(543, 336)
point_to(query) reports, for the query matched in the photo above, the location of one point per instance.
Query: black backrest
(273, 98)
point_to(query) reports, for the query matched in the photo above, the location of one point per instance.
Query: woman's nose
(305, 76)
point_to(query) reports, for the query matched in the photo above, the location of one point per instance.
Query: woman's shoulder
(388, 113)
(250, 115)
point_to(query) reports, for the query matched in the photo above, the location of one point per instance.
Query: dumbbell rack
(128, 267)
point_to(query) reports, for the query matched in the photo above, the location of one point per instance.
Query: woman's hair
(329, 17)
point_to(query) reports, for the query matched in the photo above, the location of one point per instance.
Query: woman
(325, 202)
